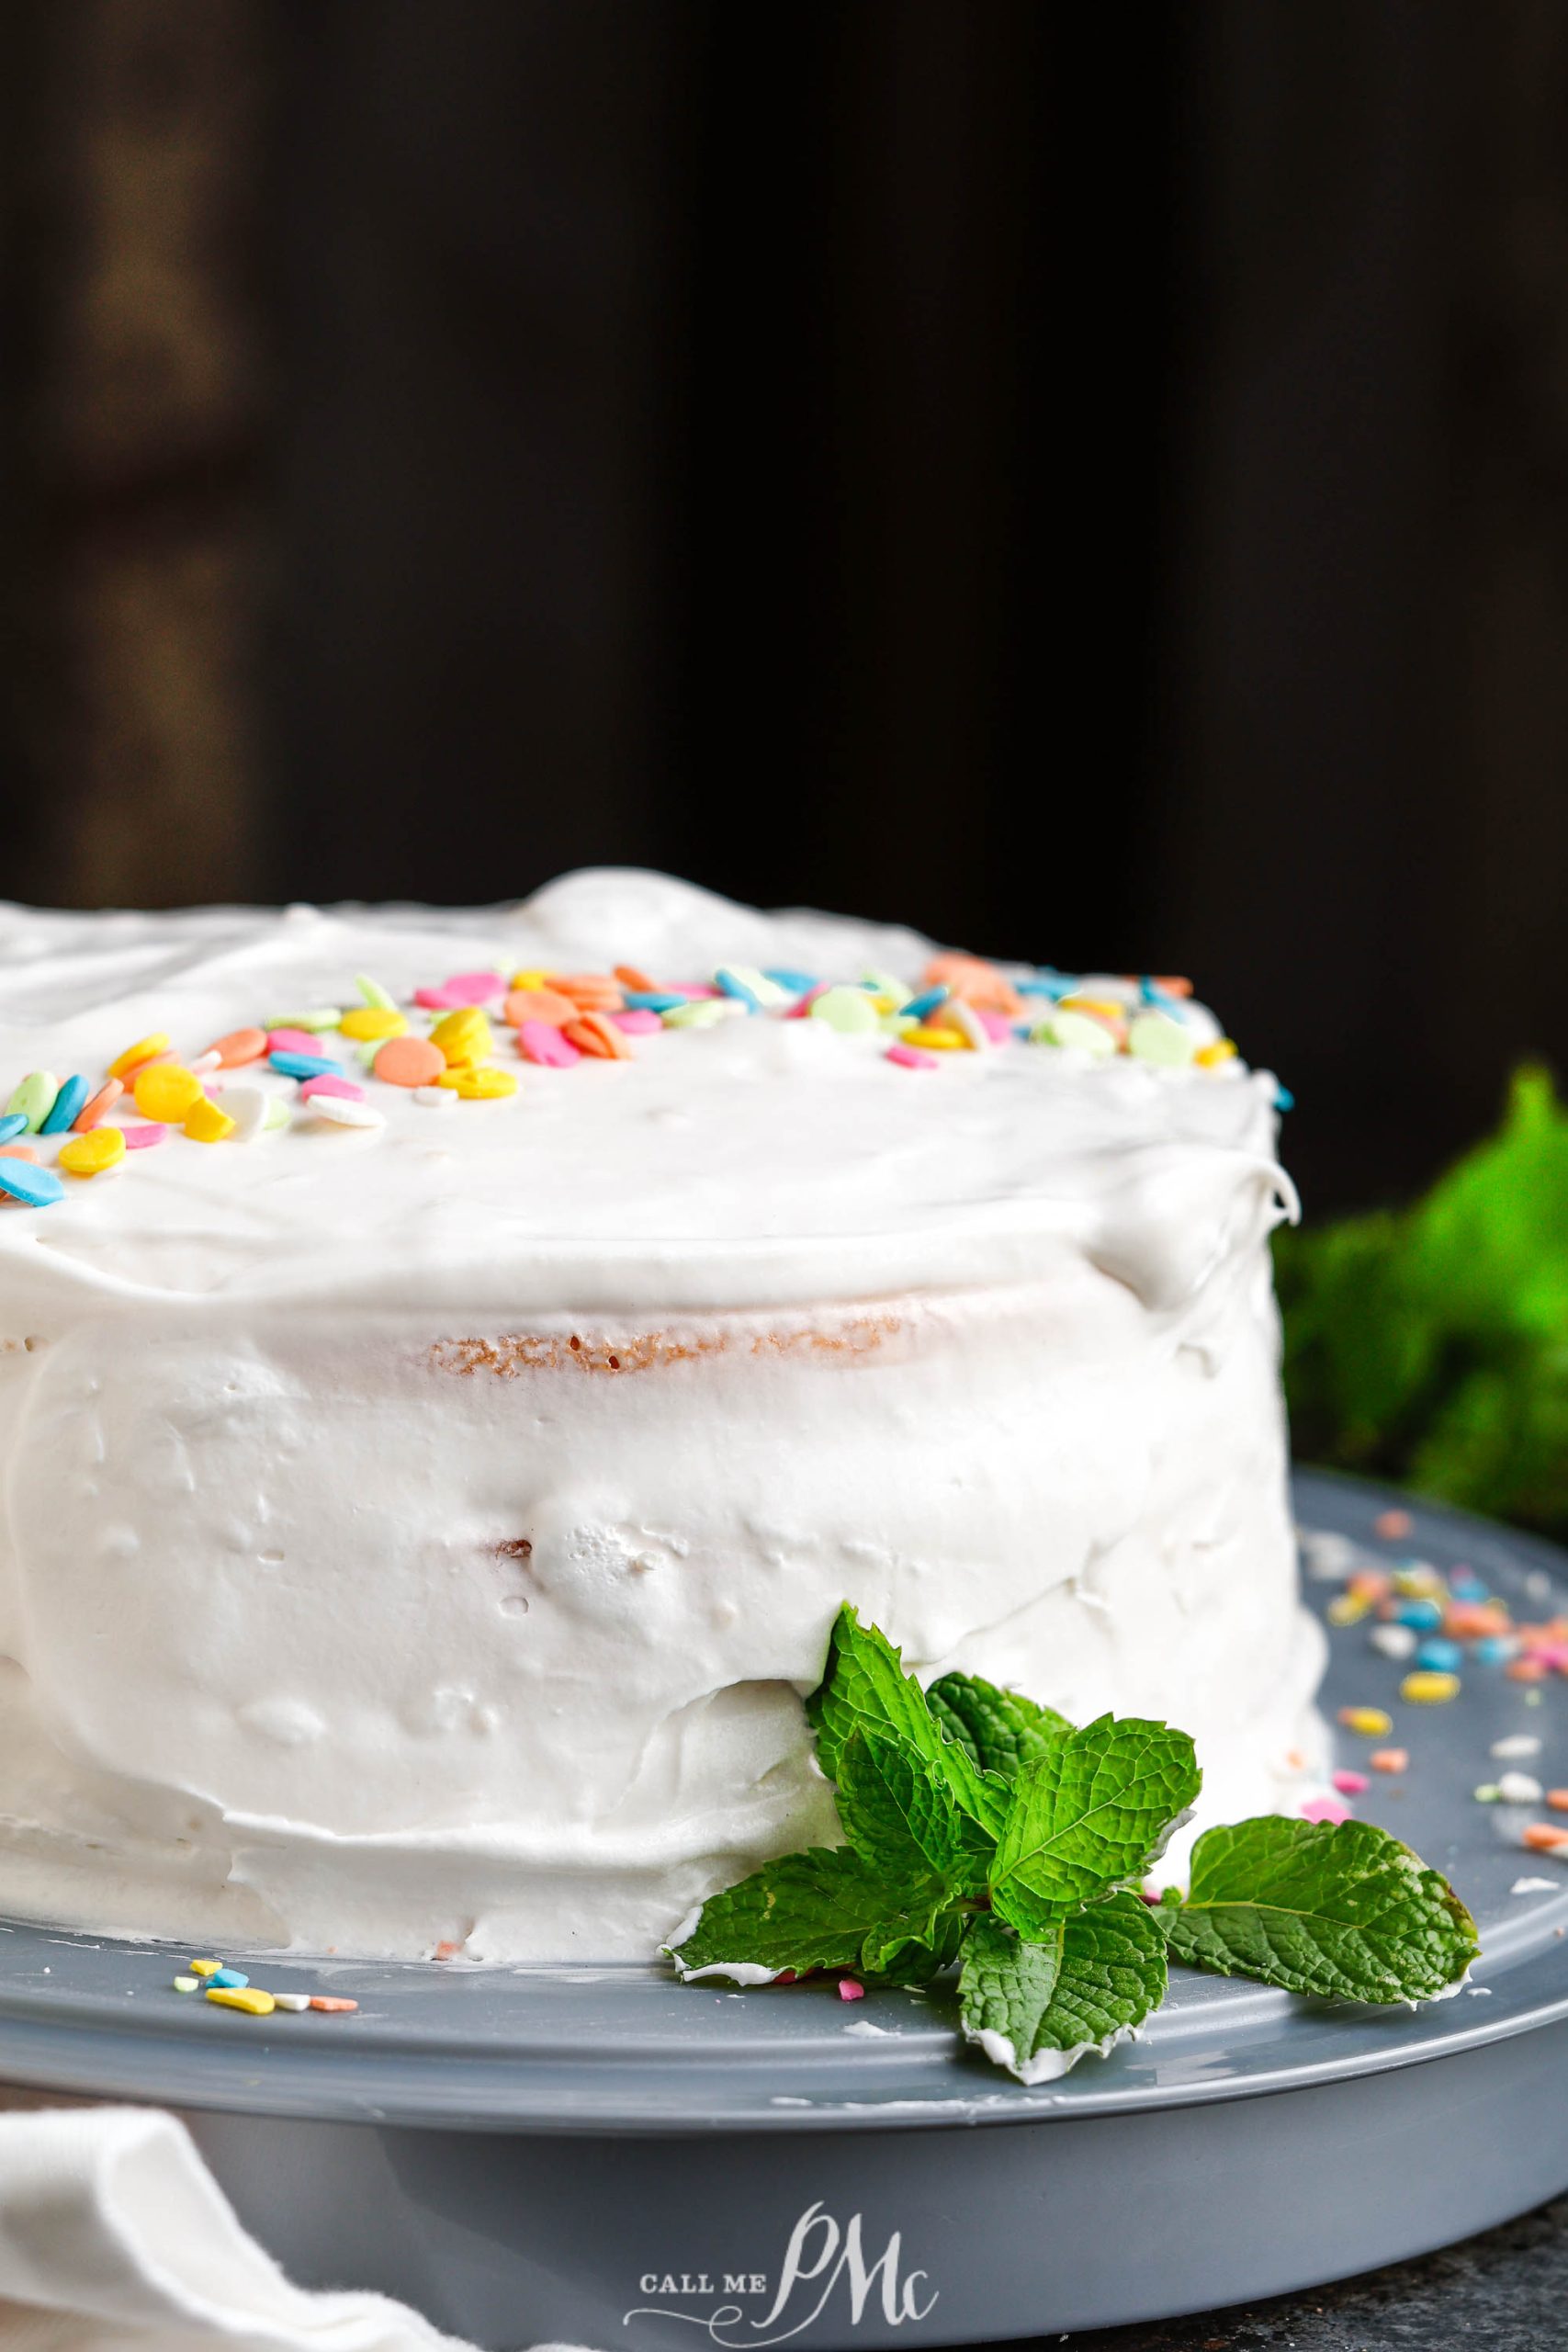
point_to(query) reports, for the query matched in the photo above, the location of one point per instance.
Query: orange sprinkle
(1474, 1620)
(1558, 1800)
(597, 1035)
(1543, 1838)
(238, 1047)
(331, 2001)
(17, 1151)
(538, 1004)
(105, 1098)
(1389, 1759)
(1392, 1526)
(1173, 983)
(409, 1062)
(1372, 1584)
(1525, 1669)
(590, 992)
(977, 982)
(638, 982)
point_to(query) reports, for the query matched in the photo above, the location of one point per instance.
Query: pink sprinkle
(911, 1056)
(211, 1059)
(849, 1991)
(436, 1000)
(636, 1021)
(1555, 1655)
(997, 1026)
(1326, 1809)
(1350, 1784)
(292, 1041)
(541, 1041)
(803, 1005)
(473, 988)
(344, 1087)
(142, 1139)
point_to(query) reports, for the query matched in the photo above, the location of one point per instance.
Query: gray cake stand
(602, 2155)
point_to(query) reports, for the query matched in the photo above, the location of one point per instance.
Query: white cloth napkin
(114, 2237)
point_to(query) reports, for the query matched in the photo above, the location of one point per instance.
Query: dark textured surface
(1507, 2289)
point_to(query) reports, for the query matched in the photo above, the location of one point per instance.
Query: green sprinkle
(322, 1016)
(374, 993)
(849, 1011)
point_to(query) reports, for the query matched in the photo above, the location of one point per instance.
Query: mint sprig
(982, 1828)
(1341, 1910)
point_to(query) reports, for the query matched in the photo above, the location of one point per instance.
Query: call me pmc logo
(820, 2258)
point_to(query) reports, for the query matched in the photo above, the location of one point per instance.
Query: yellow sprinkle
(1211, 1056)
(90, 1154)
(143, 1051)
(1371, 1722)
(373, 1021)
(471, 1085)
(166, 1092)
(205, 1123)
(1104, 1008)
(946, 1040)
(1429, 1689)
(186, 1984)
(204, 1967)
(1348, 1608)
(529, 979)
(463, 1036)
(249, 1997)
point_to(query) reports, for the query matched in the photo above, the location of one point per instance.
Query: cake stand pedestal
(606, 2157)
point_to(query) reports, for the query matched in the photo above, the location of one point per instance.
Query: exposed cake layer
(426, 1537)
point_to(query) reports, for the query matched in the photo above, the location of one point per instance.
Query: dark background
(1093, 483)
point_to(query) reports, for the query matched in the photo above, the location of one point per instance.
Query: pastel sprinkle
(649, 1001)
(292, 1064)
(1429, 1689)
(205, 1063)
(373, 1021)
(1540, 1837)
(238, 1047)
(1350, 1784)
(343, 1087)
(597, 1035)
(590, 992)
(1426, 1616)
(636, 1021)
(849, 1991)
(1389, 1759)
(145, 1050)
(542, 1042)
(65, 1106)
(1371, 1722)
(319, 1017)
(89, 1155)
(702, 1013)
(34, 1098)
(1558, 1800)
(544, 1004)
(187, 1984)
(474, 987)
(1155, 1037)
(164, 1092)
(1394, 1641)
(1517, 1743)
(918, 1007)
(142, 1139)
(292, 1040)
(15, 1123)
(1441, 1656)
(1519, 1788)
(1080, 1030)
(248, 1107)
(909, 1056)
(463, 1036)
(36, 1187)
(234, 1978)
(205, 1967)
(337, 1113)
(1348, 1608)
(332, 2003)
(294, 2003)
(926, 1038)
(435, 1098)
(409, 1062)
(248, 1997)
(18, 1151)
(1326, 1809)
(1393, 1525)
(956, 1014)
(205, 1123)
(483, 1085)
(374, 993)
(849, 1011)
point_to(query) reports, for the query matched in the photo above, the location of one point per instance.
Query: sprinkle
(1535, 1886)
(89, 1155)
(1371, 1583)
(321, 1017)
(529, 979)
(1371, 1722)
(542, 1042)
(1215, 1057)
(205, 1063)
(345, 1088)
(289, 1064)
(597, 1035)
(435, 1098)
(485, 1085)
(1495, 1650)
(473, 988)
(956, 1014)
(339, 1113)
(205, 1967)
(1348, 1608)
(631, 980)
(1441, 1656)
(909, 1056)
(979, 983)
(1429, 1689)
(926, 1038)
(1558, 1800)
(409, 1061)
(1155, 1037)
(635, 1021)
(1325, 1809)
(234, 1978)
(463, 1036)
(65, 1106)
(1394, 1641)
(1517, 1743)
(649, 1001)
(1393, 1525)
(373, 1021)
(140, 1138)
(205, 1123)
(13, 1124)
(1540, 1837)
(164, 1092)
(187, 1984)
(1487, 1793)
(238, 1047)
(1425, 1615)
(288, 1040)
(590, 992)
(792, 983)
(547, 1004)
(293, 2002)
(36, 1188)
(1389, 1759)
(926, 1001)
(330, 2001)
(255, 2003)
(849, 1011)
(730, 982)
(34, 1099)
(18, 1151)
(1283, 1099)
(248, 1107)
(145, 1049)
(1350, 1784)
(849, 1991)
(1519, 1788)
(374, 993)
(1080, 1030)
(1525, 1669)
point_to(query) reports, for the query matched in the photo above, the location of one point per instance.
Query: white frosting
(988, 1350)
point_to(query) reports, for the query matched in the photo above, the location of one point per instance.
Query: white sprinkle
(436, 1098)
(1518, 1742)
(339, 1112)
(293, 2002)
(247, 1106)
(1518, 1788)
(1536, 1886)
(1394, 1641)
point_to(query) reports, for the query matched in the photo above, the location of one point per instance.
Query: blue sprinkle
(1466, 1585)
(1495, 1649)
(792, 983)
(1439, 1657)
(1283, 1099)
(1055, 985)
(305, 1065)
(919, 1006)
(1426, 1616)
(67, 1103)
(38, 1187)
(232, 1980)
(728, 984)
(652, 1001)
(13, 1124)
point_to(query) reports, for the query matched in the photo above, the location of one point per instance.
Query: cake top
(625, 1092)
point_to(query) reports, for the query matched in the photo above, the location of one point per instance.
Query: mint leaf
(901, 1815)
(864, 1687)
(825, 1908)
(1037, 2008)
(1000, 1731)
(1093, 1811)
(1338, 1909)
